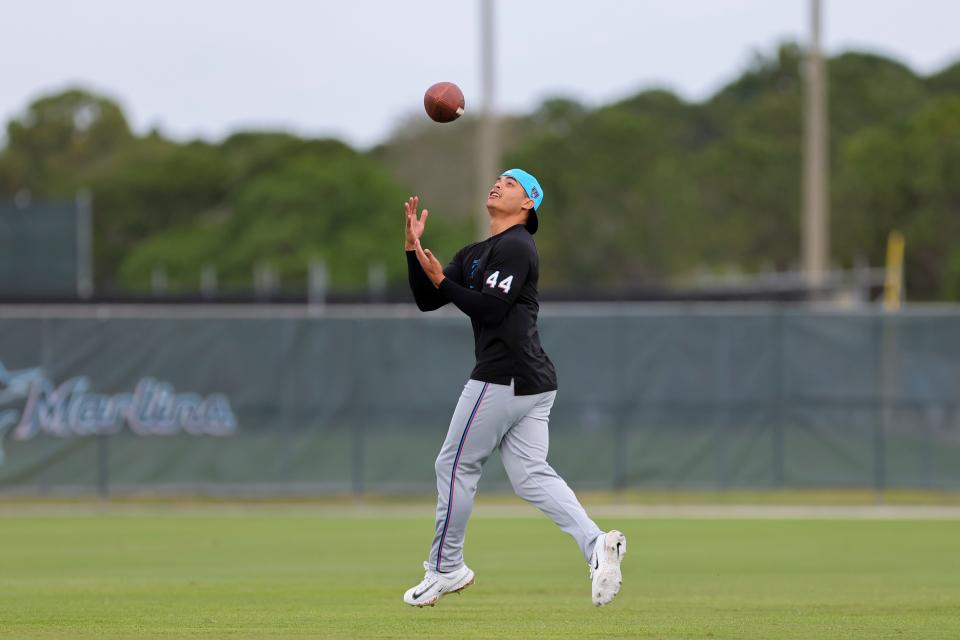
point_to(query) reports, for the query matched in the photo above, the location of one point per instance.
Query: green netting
(649, 397)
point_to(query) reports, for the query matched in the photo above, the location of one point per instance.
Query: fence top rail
(400, 311)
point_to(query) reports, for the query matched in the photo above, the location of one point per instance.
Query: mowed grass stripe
(271, 573)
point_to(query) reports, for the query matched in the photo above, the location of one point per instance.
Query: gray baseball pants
(490, 416)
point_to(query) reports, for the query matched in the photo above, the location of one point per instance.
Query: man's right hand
(414, 225)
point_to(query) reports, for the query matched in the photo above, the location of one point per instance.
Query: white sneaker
(605, 566)
(436, 585)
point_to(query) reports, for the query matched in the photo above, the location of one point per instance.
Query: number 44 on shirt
(504, 284)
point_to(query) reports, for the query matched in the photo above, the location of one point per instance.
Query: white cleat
(436, 585)
(605, 566)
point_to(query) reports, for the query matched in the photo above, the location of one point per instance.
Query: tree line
(648, 191)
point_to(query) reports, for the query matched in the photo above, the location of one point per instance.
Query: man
(506, 403)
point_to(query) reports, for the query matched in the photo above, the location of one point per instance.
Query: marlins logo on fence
(153, 408)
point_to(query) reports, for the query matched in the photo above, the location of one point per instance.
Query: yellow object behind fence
(893, 280)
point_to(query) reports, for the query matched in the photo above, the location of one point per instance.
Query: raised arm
(425, 294)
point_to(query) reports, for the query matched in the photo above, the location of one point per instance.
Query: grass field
(295, 572)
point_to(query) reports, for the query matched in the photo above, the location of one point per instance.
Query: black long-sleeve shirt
(494, 282)
(486, 309)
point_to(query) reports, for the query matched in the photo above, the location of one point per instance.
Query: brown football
(443, 102)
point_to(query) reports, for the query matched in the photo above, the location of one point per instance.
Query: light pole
(488, 139)
(816, 214)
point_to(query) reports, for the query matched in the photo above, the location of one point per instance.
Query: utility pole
(488, 138)
(84, 202)
(816, 214)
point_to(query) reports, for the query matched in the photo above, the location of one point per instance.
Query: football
(443, 102)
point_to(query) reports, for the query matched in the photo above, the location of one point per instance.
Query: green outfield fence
(283, 400)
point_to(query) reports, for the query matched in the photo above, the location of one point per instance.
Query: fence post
(265, 281)
(84, 244)
(317, 281)
(377, 281)
(208, 281)
(888, 385)
(619, 454)
(777, 462)
(158, 280)
(103, 466)
(357, 441)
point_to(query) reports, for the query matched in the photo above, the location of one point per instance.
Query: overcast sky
(355, 68)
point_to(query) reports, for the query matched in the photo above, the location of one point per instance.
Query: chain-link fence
(279, 400)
